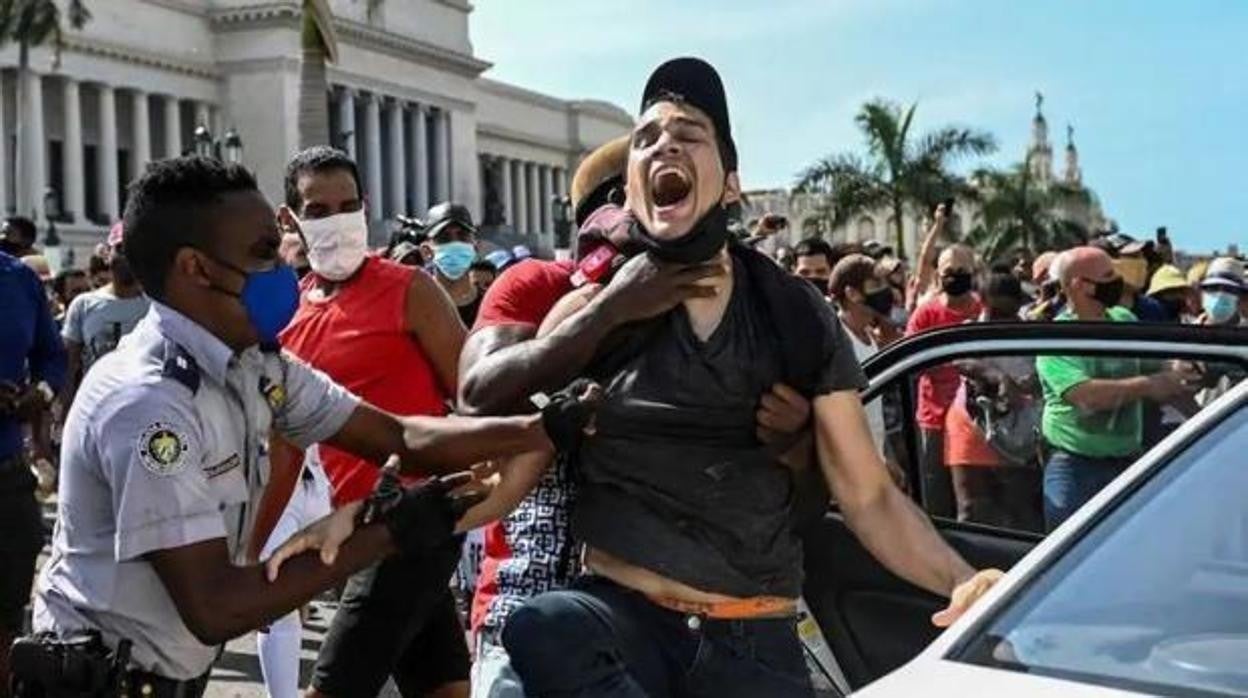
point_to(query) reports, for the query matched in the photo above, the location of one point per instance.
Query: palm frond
(941, 146)
(879, 121)
(78, 13)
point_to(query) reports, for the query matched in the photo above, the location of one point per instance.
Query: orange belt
(738, 609)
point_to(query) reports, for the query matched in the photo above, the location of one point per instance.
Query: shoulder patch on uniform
(162, 448)
(180, 366)
(274, 393)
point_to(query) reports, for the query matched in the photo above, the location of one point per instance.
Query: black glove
(569, 412)
(419, 518)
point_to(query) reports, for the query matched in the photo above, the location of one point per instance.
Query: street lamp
(202, 141)
(561, 214)
(229, 148)
(233, 147)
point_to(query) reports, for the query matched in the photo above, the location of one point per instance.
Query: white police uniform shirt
(166, 446)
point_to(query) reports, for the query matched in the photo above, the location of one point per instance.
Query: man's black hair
(1003, 284)
(25, 226)
(63, 277)
(813, 246)
(482, 265)
(167, 209)
(319, 158)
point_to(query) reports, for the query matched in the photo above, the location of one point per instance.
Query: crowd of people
(1020, 441)
(253, 407)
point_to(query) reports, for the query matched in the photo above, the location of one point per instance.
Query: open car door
(872, 620)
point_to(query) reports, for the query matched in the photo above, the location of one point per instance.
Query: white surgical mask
(337, 244)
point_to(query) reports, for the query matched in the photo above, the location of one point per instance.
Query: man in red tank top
(388, 333)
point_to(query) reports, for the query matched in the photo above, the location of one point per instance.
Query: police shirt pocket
(227, 480)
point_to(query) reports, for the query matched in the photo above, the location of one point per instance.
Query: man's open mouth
(669, 186)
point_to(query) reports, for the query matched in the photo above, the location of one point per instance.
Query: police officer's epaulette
(180, 366)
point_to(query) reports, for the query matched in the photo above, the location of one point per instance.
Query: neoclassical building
(401, 90)
(806, 211)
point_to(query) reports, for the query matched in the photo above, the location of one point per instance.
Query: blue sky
(1157, 90)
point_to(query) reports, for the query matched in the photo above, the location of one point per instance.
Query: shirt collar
(210, 353)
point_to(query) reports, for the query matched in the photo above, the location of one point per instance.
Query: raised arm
(926, 264)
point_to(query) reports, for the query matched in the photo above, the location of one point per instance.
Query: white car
(1144, 591)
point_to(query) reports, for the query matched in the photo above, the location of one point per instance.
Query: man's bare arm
(73, 373)
(219, 601)
(887, 522)
(502, 366)
(431, 318)
(1102, 394)
(498, 372)
(926, 264)
(438, 445)
(519, 476)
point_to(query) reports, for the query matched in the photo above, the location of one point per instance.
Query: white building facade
(403, 95)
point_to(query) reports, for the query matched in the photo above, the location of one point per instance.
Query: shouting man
(687, 516)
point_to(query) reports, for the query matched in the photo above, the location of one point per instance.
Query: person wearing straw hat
(1170, 288)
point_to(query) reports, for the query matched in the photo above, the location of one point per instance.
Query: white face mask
(337, 244)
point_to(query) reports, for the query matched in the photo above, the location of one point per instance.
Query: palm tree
(1018, 213)
(32, 23)
(318, 44)
(900, 173)
(317, 48)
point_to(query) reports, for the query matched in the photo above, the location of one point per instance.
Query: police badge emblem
(274, 393)
(162, 449)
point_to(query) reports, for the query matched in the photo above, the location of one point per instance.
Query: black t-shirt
(674, 479)
(468, 313)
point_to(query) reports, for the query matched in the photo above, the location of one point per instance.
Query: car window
(1155, 597)
(1021, 441)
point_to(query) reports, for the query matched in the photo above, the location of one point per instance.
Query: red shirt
(359, 338)
(521, 296)
(938, 386)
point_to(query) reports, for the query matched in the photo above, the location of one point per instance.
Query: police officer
(164, 452)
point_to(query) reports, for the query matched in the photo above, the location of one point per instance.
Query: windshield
(1156, 596)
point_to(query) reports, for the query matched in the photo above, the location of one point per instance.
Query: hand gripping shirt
(166, 446)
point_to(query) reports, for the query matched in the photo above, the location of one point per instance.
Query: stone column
(420, 159)
(533, 182)
(504, 191)
(173, 126)
(521, 195)
(142, 133)
(31, 180)
(439, 190)
(346, 138)
(398, 159)
(203, 115)
(447, 173)
(548, 191)
(73, 201)
(561, 189)
(109, 202)
(372, 145)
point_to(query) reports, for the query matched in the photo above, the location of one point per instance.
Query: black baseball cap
(445, 214)
(694, 82)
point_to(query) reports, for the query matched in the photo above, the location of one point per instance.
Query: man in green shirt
(1093, 405)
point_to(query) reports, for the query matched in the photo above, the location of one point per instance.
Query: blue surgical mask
(1219, 305)
(452, 259)
(270, 298)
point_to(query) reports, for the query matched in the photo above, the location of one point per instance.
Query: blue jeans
(1070, 480)
(600, 639)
